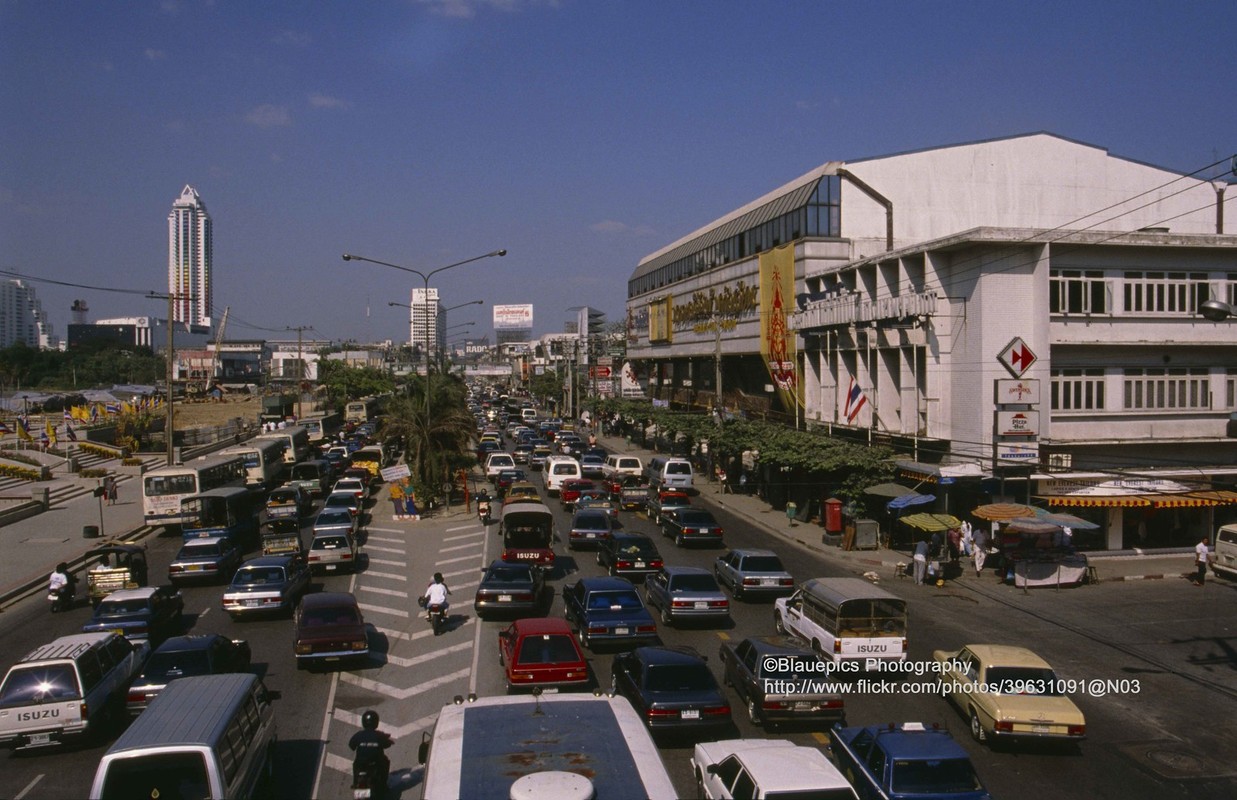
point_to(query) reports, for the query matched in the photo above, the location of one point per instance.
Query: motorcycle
(369, 782)
(62, 599)
(483, 510)
(438, 616)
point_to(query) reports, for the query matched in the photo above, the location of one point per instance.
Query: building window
(1073, 291)
(1078, 389)
(1166, 389)
(1165, 292)
(1230, 389)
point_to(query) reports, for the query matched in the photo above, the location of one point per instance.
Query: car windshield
(39, 684)
(763, 564)
(330, 616)
(201, 549)
(693, 583)
(678, 678)
(259, 575)
(547, 649)
(1021, 680)
(164, 667)
(507, 574)
(110, 607)
(623, 599)
(691, 517)
(936, 776)
(340, 501)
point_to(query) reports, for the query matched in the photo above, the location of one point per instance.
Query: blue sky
(580, 135)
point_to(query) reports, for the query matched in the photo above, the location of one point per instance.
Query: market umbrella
(932, 522)
(888, 490)
(908, 500)
(1031, 525)
(1000, 512)
(1065, 520)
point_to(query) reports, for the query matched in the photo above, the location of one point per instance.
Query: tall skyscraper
(190, 259)
(428, 324)
(22, 318)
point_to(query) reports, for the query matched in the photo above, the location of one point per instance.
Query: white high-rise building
(428, 325)
(22, 318)
(190, 259)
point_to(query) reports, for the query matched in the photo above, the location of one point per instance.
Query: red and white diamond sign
(1017, 357)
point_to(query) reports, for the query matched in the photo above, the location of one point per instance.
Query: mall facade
(1021, 314)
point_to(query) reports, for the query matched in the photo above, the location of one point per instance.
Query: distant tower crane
(214, 359)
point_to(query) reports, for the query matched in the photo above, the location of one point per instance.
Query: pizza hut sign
(1017, 423)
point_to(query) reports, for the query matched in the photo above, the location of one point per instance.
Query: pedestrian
(955, 544)
(968, 540)
(934, 548)
(1201, 556)
(109, 489)
(410, 504)
(979, 551)
(397, 499)
(743, 482)
(921, 561)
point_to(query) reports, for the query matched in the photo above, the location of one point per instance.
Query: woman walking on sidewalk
(397, 499)
(410, 504)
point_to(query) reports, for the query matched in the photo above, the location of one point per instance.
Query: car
(332, 551)
(496, 462)
(536, 459)
(184, 657)
(289, 502)
(754, 666)
(522, 451)
(151, 612)
(571, 490)
(338, 458)
(684, 594)
(357, 486)
(660, 501)
(686, 525)
(207, 558)
(541, 652)
(521, 491)
(760, 768)
(628, 555)
(591, 465)
(598, 503)
(608, 611)
(1022, 699)
(336, 518)
(632, 492)
(509, 588)
(672, 689)
(589, 527)
(266, 584)
(360, 473)
(345, 499)
(753, 573)
(330, 630)
(908, 761)
(506, 478)
(487, 446)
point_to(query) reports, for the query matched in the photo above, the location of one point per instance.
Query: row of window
(1176, 293)
(1151, 389)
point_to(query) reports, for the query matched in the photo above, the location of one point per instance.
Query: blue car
(151, 612)
(907, 761)
(608, 610)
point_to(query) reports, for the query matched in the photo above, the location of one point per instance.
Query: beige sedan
(1009, 693)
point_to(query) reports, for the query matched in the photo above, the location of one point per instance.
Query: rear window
(943, 776)
(678, 468)
(1228, 535)
(198, 550)
(330, 543)
(168, 776)
(164, 667)
(547, 649)
(565, 469)
(763, 564)
(39, 684)
(693, 583)
(678, 678)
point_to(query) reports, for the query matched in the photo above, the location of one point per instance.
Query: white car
(760, 768)
(496, 462)
(354, 485)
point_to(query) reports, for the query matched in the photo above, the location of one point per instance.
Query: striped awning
(1183, 500)
(932, 522)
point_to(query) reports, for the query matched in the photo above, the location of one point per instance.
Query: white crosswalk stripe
(391, 576)
(412, 637)
(395, 612)
(386, 562)
(354, 719)
(466, 536)
(458, 547)
(472, 558)
(421, 659)
(377, 590)
(381, 549)
(386, 690)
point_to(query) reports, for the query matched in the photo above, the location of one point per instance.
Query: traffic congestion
(316, 633)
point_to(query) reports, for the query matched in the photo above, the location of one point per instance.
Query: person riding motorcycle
(483, 504)
(436, 595)
(370, 745)
(61, 587)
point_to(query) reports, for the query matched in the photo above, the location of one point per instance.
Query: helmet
(437, 577)
(369, 720)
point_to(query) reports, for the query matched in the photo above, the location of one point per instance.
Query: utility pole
(169, 427)
(717, 361)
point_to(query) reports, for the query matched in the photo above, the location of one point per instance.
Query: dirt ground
(204, 414)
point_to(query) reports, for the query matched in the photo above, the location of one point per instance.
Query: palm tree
(432, 455)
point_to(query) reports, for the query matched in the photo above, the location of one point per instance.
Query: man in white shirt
(1201, 556)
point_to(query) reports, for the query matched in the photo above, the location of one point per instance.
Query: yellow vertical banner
(777, 341)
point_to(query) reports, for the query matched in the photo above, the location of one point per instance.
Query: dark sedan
(629, 555)
(608, 611)
(509, 588)
(184, 657)
(755, 666)
(152, 613)
(672, 689)
(210, 558)
(685, 525)
(591, 465)
(589, 527)
(329, 631)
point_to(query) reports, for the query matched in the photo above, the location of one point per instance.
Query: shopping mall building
(1020, 316)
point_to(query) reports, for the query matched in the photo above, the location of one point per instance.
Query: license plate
(639, 565)
(802, 705)
(690, 713)
(1041, 729)
(701, 605)
(591, 536)
(621, 631)
(40, 738)
(118, 631)
(361, 794)
(504, 598)
(768, 582)
(194, 567)
(252, 603)
(331, 566)
(549, 690)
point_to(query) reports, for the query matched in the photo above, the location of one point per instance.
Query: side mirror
(423, 749)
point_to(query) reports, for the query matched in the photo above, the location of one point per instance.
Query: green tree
(344, 383)
(435, 453)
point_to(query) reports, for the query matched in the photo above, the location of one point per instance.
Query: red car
(571, 490)
(541, 651)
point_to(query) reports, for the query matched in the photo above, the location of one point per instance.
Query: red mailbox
(833, 515)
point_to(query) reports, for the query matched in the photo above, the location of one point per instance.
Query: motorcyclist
(436, 595)
(370, 745)
(62, 585)
(483, 504)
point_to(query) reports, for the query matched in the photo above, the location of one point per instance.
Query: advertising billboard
(513, 317)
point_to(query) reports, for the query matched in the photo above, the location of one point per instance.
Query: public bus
(366, 409)
(164, 489)
(264, 462)
(321, 428)
(371, 457)
(295, 439)
(231, 512)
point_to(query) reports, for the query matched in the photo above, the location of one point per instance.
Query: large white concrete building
(427, 325)
(190, 259)
(22, 318)
(891, 299)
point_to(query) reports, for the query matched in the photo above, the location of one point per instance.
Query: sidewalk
(1108, 566)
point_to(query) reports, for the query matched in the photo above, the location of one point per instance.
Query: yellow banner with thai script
(777, 341)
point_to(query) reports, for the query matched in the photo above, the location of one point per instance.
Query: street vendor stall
(1037, 553)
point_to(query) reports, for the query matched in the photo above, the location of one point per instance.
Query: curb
(37, 584)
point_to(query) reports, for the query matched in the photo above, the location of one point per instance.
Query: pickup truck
(630, 492)
(657, 502)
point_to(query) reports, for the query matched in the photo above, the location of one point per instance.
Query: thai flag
(4, 429)
(112, 408)
(69, 431)
(855, 398)
(68, 415)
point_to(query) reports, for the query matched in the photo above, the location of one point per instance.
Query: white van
(529, 415)
(67, 688)
(844, 619)
(210, 736)
(1224, 560)
(496, 462)
(558, 469)
(617, 466)
(670, 473)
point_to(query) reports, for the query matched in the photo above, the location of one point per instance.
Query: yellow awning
(932, 522)
(1182, 500)
(1097, 501)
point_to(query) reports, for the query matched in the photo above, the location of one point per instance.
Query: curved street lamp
(1217, 310)
(425, 278)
